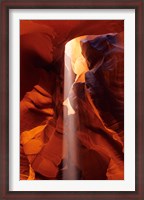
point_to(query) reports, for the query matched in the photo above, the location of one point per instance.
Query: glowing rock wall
(95, 94)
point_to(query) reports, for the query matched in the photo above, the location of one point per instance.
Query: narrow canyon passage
(72, 100)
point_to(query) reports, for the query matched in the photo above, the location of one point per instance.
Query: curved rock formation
(96, 97)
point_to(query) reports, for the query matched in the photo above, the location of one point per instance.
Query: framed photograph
(71, 100)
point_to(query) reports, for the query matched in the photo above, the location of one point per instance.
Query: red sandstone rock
(100, 148)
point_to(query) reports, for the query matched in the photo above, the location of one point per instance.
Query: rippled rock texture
(72, 100)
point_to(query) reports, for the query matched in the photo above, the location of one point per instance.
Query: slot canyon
(71, 100)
